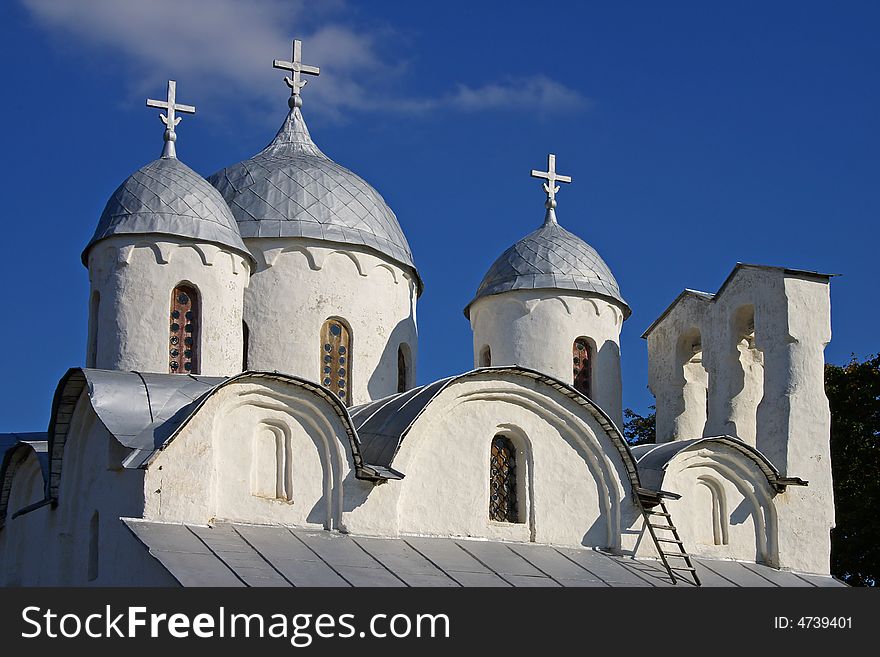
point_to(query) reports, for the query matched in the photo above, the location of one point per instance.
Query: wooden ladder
(661, 521)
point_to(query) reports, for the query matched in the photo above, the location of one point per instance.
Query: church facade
(251, 362)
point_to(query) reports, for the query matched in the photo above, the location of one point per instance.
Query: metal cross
(169, 118)
(295, 66)
(552, 178)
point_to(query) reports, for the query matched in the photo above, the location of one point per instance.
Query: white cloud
(224, 49)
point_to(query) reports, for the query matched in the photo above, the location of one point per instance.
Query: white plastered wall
(300, 283)
(537, 328)
(770, 393)
(571, 486)
(135, 278)
(91, 480)
(258, 451)
(726, 510)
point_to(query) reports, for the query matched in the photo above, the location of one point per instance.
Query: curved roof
(22, 444)
(551, 258)
(166, 197)
(144, 412)
(382, 425)
(653, 459)
(291, 189)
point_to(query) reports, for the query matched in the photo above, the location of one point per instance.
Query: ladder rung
(669, 540)
(693, 570)
(658, 513)
(679, 555)
(668, 527)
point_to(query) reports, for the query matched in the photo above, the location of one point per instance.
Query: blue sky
(698, 135)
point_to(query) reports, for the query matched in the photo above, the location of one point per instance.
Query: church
(248, 413)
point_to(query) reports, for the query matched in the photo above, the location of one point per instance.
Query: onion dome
(291, 189)
(551, 258)
(166, 197)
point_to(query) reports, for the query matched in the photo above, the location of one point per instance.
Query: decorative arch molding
(760, 498)
(720, 524)
(13, 459)
(566, 424)
(333, 453)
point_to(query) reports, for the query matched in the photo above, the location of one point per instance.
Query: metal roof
(291, 189)
(21, 444)
(166, 197)
(652, 460)
(383, 425)
(251, 555)
(144, 412)
(551, 258)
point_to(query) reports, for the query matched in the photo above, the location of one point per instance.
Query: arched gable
(579, 475)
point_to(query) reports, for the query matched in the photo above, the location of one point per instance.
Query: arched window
(246, 343)
(94, 309)
(183, 340)
(94, 536)
(402, 367)
(336, 359)
(582, 360)
(486, 356)
(502, 481)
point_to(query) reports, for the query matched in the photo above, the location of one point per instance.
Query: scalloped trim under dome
(166, 197)
(291, 189)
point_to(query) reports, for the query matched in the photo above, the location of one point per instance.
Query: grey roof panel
(550, 258)
(264, 556)
(821, 581)
(291, 189)
(447, 555)
(553, 563)
(499, 558)
(737, 573)
(778, 577)
(166, 197)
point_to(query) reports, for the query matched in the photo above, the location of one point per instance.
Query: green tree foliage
(639, 430)
(854, 394)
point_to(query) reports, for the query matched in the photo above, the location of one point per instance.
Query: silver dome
(291, 189)
(166, 197)
(551, 258)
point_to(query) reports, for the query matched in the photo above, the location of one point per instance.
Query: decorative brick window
(502, 481)
(183, 334)
(336, 359)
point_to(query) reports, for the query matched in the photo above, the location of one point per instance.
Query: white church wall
(132, 281)
(763, 341)
(680, 384)
(27, 488)
(572, 488)
(262, 452)
(81, 541)
(727, 507)
(300, 283)
(537, 329)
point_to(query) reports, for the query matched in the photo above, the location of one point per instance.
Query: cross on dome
(295, 66)
(552, 178)
(169, 119)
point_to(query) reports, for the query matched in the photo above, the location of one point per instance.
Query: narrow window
(93, 547)
(582, 359)
(183, 340)
(502, 481)
(246, 341)
(402, 368)
(94, 308)
(486, 357)
(336, 359)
